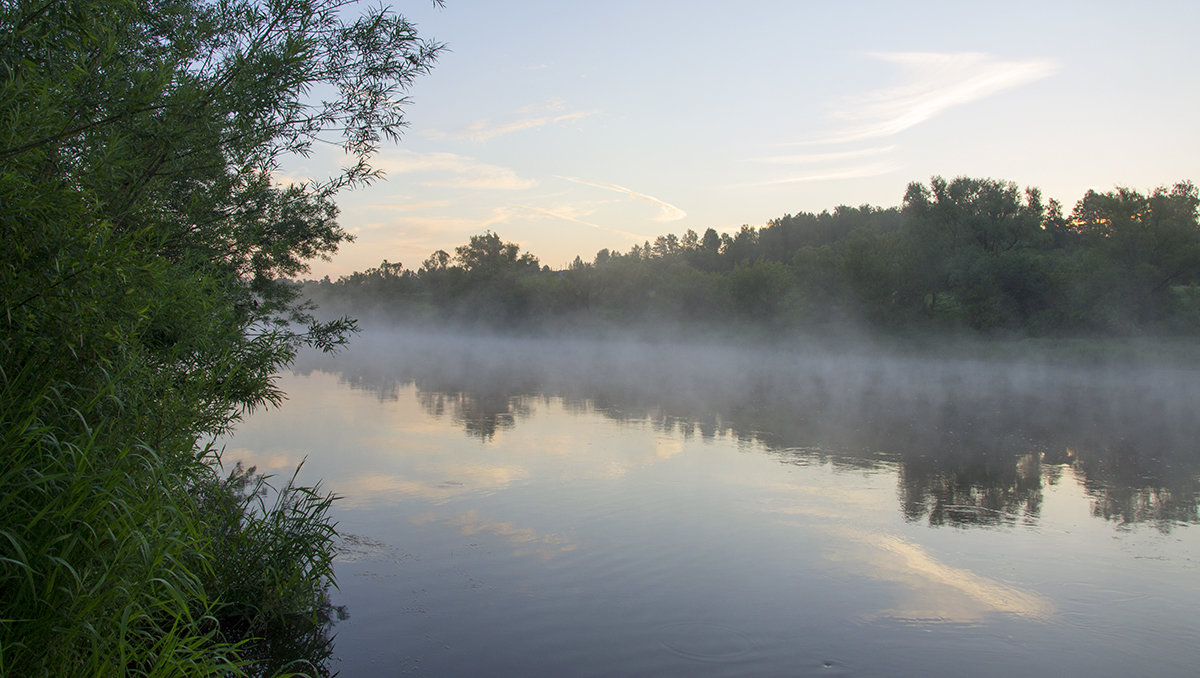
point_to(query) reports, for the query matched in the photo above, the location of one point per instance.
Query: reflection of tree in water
(480, 410)
(384, 384)
(1138, 483)
(974, 442)
(977, 450)
(481, 414)
(978, 489)
(384, 387)
(485, 394)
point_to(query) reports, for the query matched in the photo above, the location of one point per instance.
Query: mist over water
(975, 433)
(619, 505)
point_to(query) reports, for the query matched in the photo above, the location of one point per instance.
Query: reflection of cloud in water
(931, 589)
(526, 540)
(937, 591)
(665, 448)
(610, 470)
(443, 484)
(370, 450)
(272, 463)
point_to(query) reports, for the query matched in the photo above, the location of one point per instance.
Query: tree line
(971, 254)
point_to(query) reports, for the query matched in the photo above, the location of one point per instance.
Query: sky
(568, 127)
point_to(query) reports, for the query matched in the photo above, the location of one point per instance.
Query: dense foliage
(144, 313)
(967, 254)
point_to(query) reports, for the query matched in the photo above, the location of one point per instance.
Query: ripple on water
(704, 642)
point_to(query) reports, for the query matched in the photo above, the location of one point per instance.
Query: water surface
(540, 507)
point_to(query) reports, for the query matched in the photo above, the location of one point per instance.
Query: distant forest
(972, 254)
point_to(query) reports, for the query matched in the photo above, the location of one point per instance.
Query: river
(607, 507)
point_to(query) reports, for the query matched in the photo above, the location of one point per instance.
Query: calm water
(620, 508)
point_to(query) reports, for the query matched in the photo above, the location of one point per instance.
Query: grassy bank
(122, 559)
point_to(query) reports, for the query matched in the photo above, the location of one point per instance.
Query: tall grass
(120, 559)
(275, 570)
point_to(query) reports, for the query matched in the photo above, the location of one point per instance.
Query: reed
(120, 559)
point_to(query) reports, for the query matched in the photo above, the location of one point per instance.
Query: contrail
(667, 211)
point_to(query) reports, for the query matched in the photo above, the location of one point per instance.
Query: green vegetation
(144, 312)
(975, 256)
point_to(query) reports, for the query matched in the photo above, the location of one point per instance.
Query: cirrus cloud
(456, 171)
(666, 211)
(550, 112)
(931, 83)
(834, 174)
(569, 213)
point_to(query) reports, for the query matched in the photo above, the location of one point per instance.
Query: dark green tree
(1140, 247)
(761, 290)
(488, 256)
(143, 277)
(966, 241)
(706, 256)
(491, 288)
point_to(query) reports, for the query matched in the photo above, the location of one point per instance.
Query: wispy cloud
(819, 158)
(483, 130)
(569, 214)
(404, 229)
(834, 174)
(550, 112)
(561, 213)
(931, 84)
(407, 205)
(463, 172)
(666, 211)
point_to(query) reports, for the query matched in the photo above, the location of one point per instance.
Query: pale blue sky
(572, 126)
